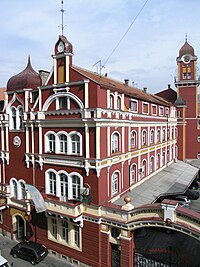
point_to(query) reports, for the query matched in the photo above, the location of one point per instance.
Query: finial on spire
(62, 14)
(186, 37)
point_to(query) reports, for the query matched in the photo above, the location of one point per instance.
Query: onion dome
(180, 102)
(186, 49)
(28, 78)
(63, 45)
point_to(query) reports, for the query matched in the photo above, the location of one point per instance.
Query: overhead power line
(125, 33)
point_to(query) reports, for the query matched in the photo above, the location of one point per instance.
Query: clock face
(61, 46)
(17, 141)
(186, 58)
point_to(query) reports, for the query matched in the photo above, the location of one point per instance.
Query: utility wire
(125, 33)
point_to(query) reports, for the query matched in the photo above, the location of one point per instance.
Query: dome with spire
(186, 49)
(28, 78)
(68, 48)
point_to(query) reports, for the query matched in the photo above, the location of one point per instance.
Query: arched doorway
(20, 228)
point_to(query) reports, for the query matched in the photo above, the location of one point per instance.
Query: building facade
(83, 140)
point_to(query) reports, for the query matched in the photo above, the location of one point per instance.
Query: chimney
(126, 82)
(145, 90)
(169, 86)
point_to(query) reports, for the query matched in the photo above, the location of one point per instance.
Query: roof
(168, 94)
(180, 102)
(28, 78)
(114, 85)
(186, 49)
(174, 179)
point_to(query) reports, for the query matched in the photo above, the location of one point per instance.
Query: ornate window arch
(13, 187)
(144, 168)
(144, 138)
(151, 164)
(21, 189)
(151, 136)
(111, 104)
(76, 143)
(158, 135)
(119, 102)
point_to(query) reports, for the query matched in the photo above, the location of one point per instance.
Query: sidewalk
(50, 261)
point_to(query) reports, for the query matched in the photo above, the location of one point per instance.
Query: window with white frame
(198, 138)
(17, 188)
(133, 105)
(151, 136)
(151, 163)
(144, 138)
(62, 142)
(111, 101)
(161, 111)
(163, 135)
(143, 168)
(115, 183)
(133, 140)
(16, 118)
(154, 110)
(63, 185)
(145, 108)
(163, 158)
(75, 140)
(64, 102)
(64, 231)
(158, 135)
(118, 102)
(115, 142)
(133, 173)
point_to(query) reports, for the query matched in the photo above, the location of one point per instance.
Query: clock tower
(187, 90)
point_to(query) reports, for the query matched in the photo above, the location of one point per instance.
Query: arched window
(75, 139)
(118, 102)
(111, 101)
(115, 142)
(133, 174)
(76, 184)
(143, 168)
(20, 111)
(13, 188)
(163, 134)
(151, 163)
(63, 143)
(13, 118)
(158, 161)
(172, 133)
(158, 135)
(115, 183)
(22, 193)
(52, 142)
(133, 141)
(52, 183)
(64, 186)
(144, 138)
(152, 136)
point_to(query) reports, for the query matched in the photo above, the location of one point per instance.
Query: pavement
(50, 261)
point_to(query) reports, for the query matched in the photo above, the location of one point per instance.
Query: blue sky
(146, 56)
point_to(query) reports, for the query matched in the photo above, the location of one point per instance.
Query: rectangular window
(133, 105)
(145, 108)
(184, 76)
(76, 235)
(153, 110)
(198, 138)
(54, 227)
(161, 111)
(65, 231)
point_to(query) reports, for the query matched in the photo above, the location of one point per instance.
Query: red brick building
(83, 140)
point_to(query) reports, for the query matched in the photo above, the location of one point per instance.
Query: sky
(146, 55)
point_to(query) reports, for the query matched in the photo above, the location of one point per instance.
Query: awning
(174, 179)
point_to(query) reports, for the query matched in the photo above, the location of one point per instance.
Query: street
(6, 244)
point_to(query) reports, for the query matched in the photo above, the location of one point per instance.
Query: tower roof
(68, 48)
(186, 49)
(28, 78)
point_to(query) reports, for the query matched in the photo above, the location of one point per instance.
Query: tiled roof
(114, 85)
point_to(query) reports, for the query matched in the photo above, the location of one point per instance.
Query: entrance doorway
(20, 228)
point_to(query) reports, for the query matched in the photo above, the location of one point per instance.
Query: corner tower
(187, 90)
